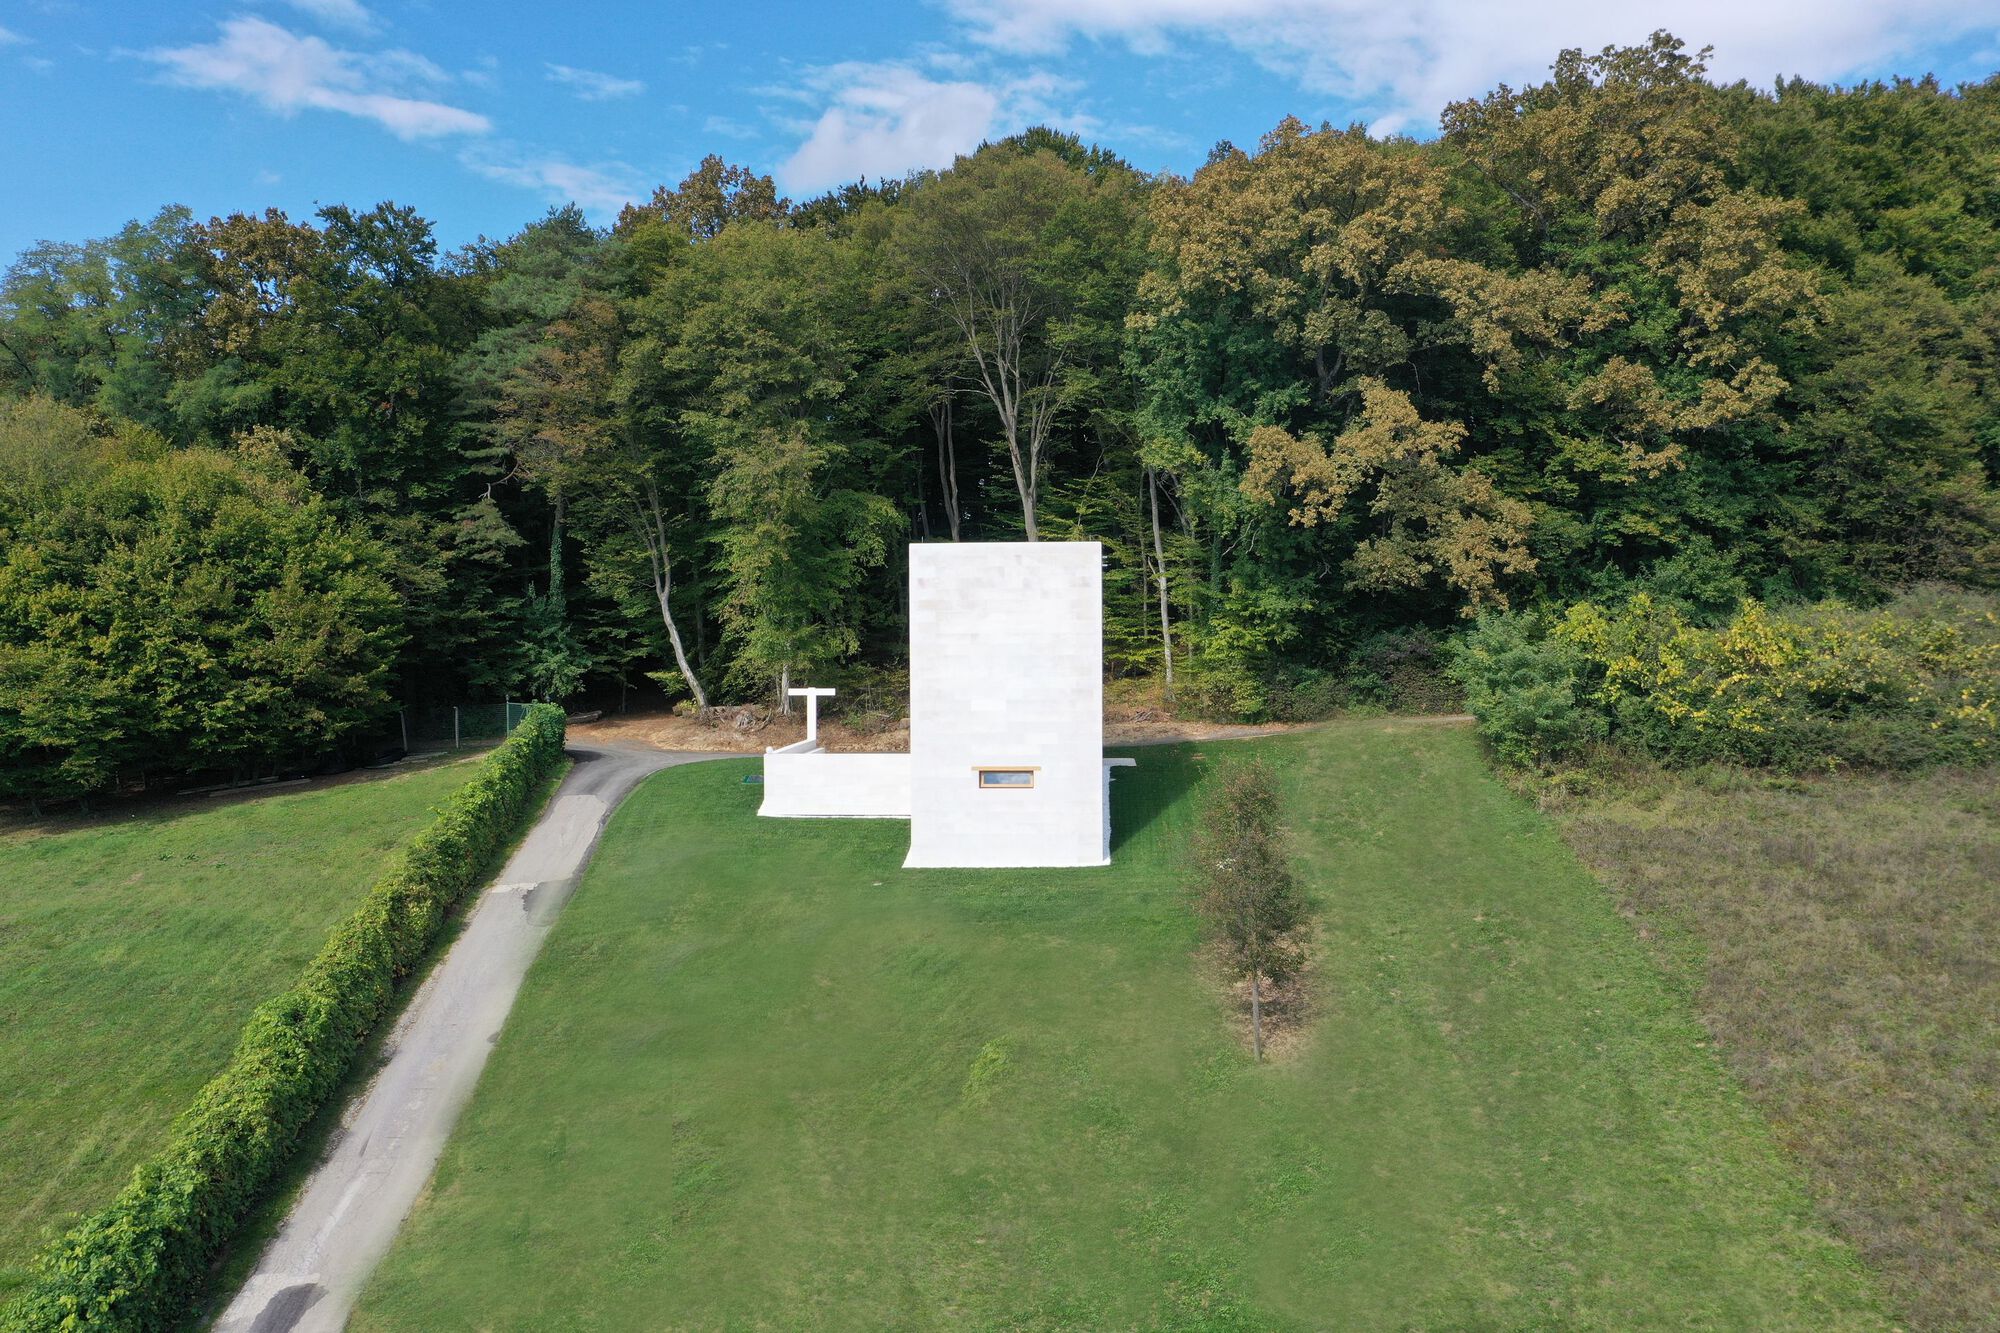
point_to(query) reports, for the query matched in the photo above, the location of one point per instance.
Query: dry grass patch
(1843, 938)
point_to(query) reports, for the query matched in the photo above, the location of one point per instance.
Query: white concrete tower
(1007, 704)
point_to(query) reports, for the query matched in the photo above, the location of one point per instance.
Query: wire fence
(457, 726)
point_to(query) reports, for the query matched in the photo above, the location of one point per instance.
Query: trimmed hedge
(142, 1263)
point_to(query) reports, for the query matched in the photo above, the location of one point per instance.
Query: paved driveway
(390, 1137)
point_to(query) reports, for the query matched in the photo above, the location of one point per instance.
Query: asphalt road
(358, 1195)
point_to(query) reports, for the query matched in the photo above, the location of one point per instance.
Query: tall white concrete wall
(812, 784)
(1007, 670)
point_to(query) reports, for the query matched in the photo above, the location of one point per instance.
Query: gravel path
(389, 1139)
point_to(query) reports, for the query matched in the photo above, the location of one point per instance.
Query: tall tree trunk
(1257, 1013)
(785, 689)
(1214, 570)
(1003, 376)
(680, 653)
(947, 461)
(698, 585)
(700, 629)
(556, 593)
(651, 525)
(923, 523)
(1160, 574)
(1024, 480)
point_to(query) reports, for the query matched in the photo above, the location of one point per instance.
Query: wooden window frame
(981, 770)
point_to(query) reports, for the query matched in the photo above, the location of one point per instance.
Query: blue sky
(483, 115)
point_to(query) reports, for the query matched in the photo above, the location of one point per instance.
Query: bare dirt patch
(750, 729)
(1290, 1010)
(740, 730)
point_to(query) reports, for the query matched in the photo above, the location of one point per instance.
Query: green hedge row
(143, 1262)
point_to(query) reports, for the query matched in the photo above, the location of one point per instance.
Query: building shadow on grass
(1160, 787)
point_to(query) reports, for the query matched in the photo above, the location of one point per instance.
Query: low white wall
(812, 784)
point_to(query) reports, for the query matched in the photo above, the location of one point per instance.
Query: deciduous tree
(1019, 253)
(1245, 890)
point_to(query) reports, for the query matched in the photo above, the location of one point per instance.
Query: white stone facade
(1007, 671)
(1006, 676)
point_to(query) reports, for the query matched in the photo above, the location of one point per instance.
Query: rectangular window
(1007, 777)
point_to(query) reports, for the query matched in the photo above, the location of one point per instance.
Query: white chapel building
(1006, 764)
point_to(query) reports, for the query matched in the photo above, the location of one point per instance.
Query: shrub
(142, 1262)
(1700, 580)
(1214, 690)
(1916, 682)
(1304, 694)
(864, 690)
(1913, 683)
(1402, 670)
(1526, 689)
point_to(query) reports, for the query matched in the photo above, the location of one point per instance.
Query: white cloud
(406, 67)
(1403, 62)
(484, 73)
(600, 190)
(594, 85)
(698, 53)
(349, 14)
(8, 37)
(882, 120)
(729, 129)
(288, 73)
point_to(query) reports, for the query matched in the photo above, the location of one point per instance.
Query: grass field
(761, 1077)
(131, 951)
(1843, 937)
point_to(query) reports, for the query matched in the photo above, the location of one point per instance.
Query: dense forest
(1621, 338)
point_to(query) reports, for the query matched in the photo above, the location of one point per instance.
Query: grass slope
(764, 1078)
(132, 951)
(1843, 936)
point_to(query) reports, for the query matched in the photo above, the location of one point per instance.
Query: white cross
(812, 698)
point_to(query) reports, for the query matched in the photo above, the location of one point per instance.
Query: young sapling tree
(1246, 893)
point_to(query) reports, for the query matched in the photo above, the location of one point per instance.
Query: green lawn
(763, 1078)
(132, 950)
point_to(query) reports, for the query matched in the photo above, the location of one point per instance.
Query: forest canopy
(1326, 403)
